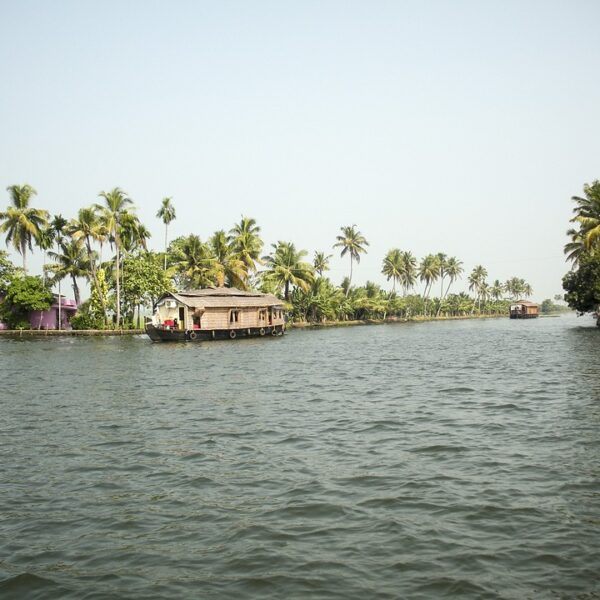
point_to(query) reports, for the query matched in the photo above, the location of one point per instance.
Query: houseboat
(523, 309)
(215, 314)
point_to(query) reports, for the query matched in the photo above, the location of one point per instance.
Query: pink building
(48, 319)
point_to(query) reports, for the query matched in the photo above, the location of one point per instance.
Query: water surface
(432, 460)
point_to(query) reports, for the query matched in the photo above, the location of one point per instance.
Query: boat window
(262, 315)
(234, 316)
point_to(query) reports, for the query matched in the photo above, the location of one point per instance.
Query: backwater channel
(443, 459)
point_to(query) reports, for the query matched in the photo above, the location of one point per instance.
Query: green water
(451, 459)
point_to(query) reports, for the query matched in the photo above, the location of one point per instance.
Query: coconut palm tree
(321, 262)
(45, 241)
(246, 244)
(59, 224)
(429, 272)
(587, 214)
(443, 261)
(20, 222)
(476, 281)
(352, 242)
(230, 268)
(453, 269)
(167, 214)
(116, 205)
(393, 266)
(285, 267)
(409, 271)
(497, 290)
(70, 261)
(195, 263)
(88, 228)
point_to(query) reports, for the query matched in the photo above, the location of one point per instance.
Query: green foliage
(144, 280)
(583, 284)
(23, 295)
(88, 317)
(7, 272)
(547, 306)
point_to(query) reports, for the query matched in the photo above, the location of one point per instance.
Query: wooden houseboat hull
(160, 334)
(519, 316)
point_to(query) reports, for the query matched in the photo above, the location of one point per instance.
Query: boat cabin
(217, 312)
(523, 309)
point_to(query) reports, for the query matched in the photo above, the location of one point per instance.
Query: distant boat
(214, 314)
(523, 309)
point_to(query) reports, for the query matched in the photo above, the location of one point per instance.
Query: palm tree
(112, 213)
(409, 271)
(22, 224)
(587, 215)
(351, 242)
(195, 262)
(88, 227)
(452, 269)
(45, 241)
(285, 267)
(321, 262)
(393, 266)
(527, 290)
(167, 214)
(58, 225)
(230, 268)
(497, 290)
(70, 261)
(246, 244)
(576, 247)
(476, 282)
(443, 260)
(429, 271)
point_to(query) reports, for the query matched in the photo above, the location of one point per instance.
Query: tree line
(582, 282)
(106, 245)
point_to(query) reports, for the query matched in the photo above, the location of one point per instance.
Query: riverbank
(71, 333)
(417, 319)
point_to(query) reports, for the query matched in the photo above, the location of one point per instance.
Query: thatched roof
(223, 298)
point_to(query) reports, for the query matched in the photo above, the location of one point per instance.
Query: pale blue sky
(460, 127)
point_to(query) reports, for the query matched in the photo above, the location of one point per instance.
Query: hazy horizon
(460, 128)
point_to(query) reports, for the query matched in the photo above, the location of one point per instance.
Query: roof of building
(525, 303)
(224, 298)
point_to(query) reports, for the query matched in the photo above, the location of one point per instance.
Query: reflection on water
(411, 460)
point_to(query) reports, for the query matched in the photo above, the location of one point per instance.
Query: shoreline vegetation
(301, 325)
(106, 245)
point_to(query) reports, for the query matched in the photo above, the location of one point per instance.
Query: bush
(84, 320)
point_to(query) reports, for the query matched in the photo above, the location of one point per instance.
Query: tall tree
(166, 212)
(587, 215)
(477, 281)
(429, 271)
(71, 261)
(246, 244)
(409, 271)
(353, 243)
(231, 269)
(393, 266)
(321, 262)
(20, 222)
(285, 267)
(194, 262)
(116, 205)
(88, 228)
(45, 240)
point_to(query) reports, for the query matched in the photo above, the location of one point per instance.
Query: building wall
(220, 318)
(48, 319)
